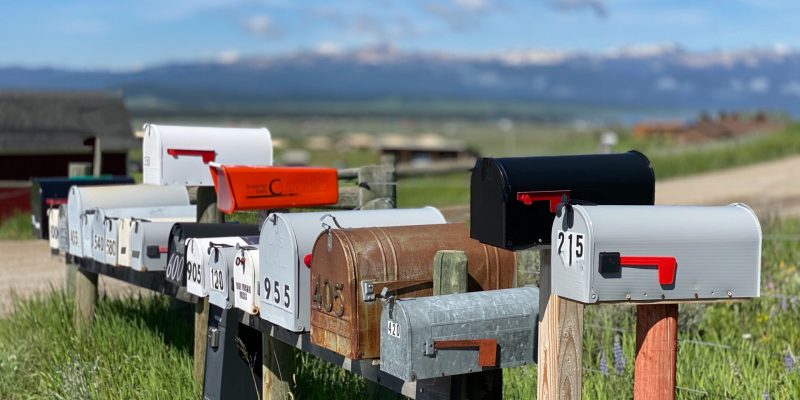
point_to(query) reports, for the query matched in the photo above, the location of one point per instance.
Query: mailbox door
(112, 241)
(245, 275)
(156, 235)
(287, 238)
(53, 220)
(197, 261)
(179, 155)
(219, 282)
(86, 225)
(63, 229)
(124, 242)
(690, 253)
(99, 237)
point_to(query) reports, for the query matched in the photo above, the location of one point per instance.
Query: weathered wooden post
(656, 351)
(206, 212)
(74, 169)
(85, 289)
(377, 187)
(560, 341)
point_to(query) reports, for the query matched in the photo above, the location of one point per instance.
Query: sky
(134, 34)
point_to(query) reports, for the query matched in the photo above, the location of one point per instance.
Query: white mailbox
(179, 155)
(125, 235)
(655, 253)
(123, 242)
(84, 198)
(148, 244)
(286, 241)
(245, 276)
(87, 242)
(221, 262)
(63, 229)
(197, 254)
(52, 222)
(105, 226)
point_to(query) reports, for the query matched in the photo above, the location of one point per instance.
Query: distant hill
(657, 77)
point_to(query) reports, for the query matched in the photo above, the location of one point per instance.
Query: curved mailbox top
(656, 253)
(264, 187)
(512, 200)
(179, 155)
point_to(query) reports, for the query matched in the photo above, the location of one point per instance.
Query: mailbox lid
(63, 236)
(286, 239)
(52, 230)
(412, 328)
(717, 250)
(176, 251)
(179, 155)
(145, 234)
(124, 242)
(244, 187)
(400, 257)
(57, 188)
(82, 199)
(245, 279)
(499, 219)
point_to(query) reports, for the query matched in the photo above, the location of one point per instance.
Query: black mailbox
(52, 191)
(176, 248)
(513, 200)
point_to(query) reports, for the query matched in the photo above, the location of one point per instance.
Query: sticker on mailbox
(394, 329)
(570, 246)
(217, 280)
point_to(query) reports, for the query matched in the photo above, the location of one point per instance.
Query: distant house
(424, 148)
(41, 133)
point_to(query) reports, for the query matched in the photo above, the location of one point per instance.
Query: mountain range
(654, 76)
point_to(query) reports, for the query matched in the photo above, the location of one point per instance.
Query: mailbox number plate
(394, 329)
(570, 246)
(217, 280)
(277, 293)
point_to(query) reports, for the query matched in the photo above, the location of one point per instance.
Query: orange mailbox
(242, 187)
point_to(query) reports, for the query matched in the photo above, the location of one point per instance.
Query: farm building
(424, 148)
(41, 133)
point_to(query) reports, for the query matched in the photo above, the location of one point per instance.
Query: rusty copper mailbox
(351, 267)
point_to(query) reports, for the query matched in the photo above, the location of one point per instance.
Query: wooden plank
(278, 369)
(560, 354)
(656, 351)
(206, 212)
(377, 187)
(85, 298)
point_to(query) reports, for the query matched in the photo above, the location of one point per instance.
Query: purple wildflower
(784, 304)
(788, 361)
(603, 363)
(619, 358)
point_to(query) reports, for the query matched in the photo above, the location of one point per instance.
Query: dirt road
(771, 188)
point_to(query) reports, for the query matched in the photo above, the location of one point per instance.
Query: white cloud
(228, 56)
(759, 84)
(262, 25)
(328, 48)
(472, 5)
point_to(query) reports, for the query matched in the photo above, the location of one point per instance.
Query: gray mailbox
(221, 260)
(437, 336)
(655, 253)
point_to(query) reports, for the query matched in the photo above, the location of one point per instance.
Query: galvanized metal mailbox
(455, 334)
(52, 231)
(198, 253)
(351, 267)
(513, 200)
(179, 155)
(221, 263)
(245, 187)
(82, 199)
(176, 250)
(655, 253)
(286, 243)
(245, 279)
(47, 192)
(105, 226)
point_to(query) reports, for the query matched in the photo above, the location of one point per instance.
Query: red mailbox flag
(264, 187)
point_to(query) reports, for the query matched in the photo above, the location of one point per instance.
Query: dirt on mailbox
(27, 268)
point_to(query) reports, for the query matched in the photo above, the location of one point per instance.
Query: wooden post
(74, 169)
(85, 299)
(560, 341)
(450, 277)
(278, 369)
(656, 351)
(207, 212)
(377, 187)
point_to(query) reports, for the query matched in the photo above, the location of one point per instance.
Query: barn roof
(58, 122)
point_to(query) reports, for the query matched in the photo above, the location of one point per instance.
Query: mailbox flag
(264, 187)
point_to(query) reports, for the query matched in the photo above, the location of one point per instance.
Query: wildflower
(788, 360)
(603, 363)
(784, 304)
(619, 358)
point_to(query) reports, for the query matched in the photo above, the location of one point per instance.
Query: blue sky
(129, 34)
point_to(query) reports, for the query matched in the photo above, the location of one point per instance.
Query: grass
(138, 348)
(16, 227)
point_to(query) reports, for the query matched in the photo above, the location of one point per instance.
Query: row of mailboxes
(431, 337)
(350, 268)
(179, 155)
(84, 199)
(47, 193)
(287, 240)
(513, 200)
(655, 253)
